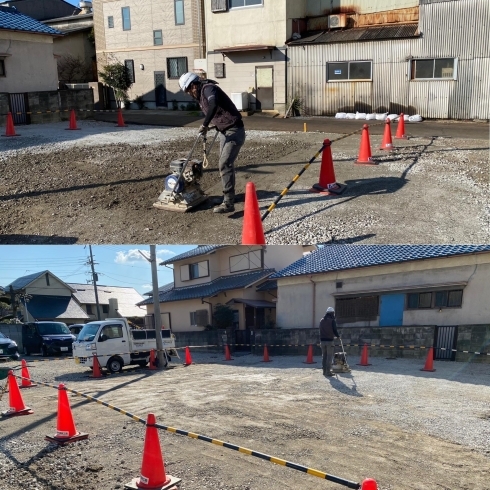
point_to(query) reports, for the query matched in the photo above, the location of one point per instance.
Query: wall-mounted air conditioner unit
(337, 21)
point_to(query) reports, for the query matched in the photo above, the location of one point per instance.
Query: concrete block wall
(42, 102)
(78, 100)
(473, 338)
(13, 332)
(4, 108)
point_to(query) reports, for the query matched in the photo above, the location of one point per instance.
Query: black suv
(47, 338)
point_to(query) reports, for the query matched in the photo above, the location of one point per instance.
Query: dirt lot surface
(98, 185)
(405, 428)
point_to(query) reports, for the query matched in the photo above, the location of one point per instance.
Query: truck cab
(46, 338)
(116, 345)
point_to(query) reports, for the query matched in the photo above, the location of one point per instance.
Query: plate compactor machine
(340, 361)
(182, 190)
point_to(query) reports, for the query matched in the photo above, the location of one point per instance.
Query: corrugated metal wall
(452, 29)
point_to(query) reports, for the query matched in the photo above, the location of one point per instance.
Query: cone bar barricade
(26, 377)
(365, 156)
(387, 143)
(266, 355)
(153, 364)
(309, 356)
(252, 232)
(73, 121)
(120, 120)
(369, 484)
(429, 361)
(227, 353)
(10, 128)
(16, 403)
(188, 358)
(400, 130)
(65, 428)
(364, 357)
(153, 476)
(327, 185)
(96, 372)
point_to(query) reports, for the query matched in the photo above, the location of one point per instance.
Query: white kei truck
(117, 345)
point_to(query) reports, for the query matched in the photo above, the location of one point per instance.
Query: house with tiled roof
(375, 288)
(212, 275)
(27, 61)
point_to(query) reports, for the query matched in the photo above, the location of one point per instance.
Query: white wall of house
(41, 287)
(31, 65)
(296, 300)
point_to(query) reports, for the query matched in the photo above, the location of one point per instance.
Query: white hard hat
(186, 79)
(330, 310)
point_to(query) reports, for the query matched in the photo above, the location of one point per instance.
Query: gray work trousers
(327, 355)
(230, 143)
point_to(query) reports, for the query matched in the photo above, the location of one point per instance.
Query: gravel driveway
(406, 428)
(98, 185)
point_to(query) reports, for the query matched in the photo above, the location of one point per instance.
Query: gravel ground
(406, 428)
(98, 185)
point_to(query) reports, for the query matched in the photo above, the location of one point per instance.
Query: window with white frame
(349, 70)
(433, 69)
(245, 3)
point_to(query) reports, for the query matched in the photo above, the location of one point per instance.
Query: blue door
(391, 310)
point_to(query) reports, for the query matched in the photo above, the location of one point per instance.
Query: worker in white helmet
(328, 331)
(219, 111)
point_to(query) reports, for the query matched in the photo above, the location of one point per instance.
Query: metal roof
(22, 282)
(13, 20)
(224, 283)
(195, 252)
(51, 307)
(342, 257)
(358, 34)
(127, 298)
(254, 303)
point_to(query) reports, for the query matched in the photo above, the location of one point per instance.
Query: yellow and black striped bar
(286, 190)
(217, 442)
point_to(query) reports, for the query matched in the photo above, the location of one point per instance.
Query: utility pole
(156, 303)
(94, 279)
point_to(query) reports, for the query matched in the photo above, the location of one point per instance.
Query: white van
(116, 344)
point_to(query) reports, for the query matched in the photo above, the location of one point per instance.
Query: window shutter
(219, 5)
(203, 268)
(184, 272)
(201, 317)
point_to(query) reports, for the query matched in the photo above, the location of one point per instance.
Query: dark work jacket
(328, 329)
(227, 114)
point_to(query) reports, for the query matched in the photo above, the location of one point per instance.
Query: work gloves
(203, 130)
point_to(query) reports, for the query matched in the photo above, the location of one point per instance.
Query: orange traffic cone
(96, 371)
(65, 427)
(309, 356)
(365, 156)
(369, 484)
(252, 232)
(429, 362)
(26, 378)
(364, 357)
(387, 143)
(327, 184)
(120, 120)
(153, 474)
(227, 353)
(266, 355)
(188, 358)
(73, 121)
(400, 130)
(153, 364)
(10, 128)
(16, 403)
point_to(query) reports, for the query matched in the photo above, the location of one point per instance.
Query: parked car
(8, 348)
(76, 328)
(47, 338)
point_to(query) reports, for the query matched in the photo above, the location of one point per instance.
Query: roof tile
(13, 20)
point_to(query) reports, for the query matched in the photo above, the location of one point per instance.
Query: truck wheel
(26, 351)
(115, 364)
(44, 351)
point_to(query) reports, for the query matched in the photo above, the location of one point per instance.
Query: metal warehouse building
(438, 66)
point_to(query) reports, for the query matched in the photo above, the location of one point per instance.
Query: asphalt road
(265, 122)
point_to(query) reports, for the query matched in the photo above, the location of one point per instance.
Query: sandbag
(360, 115)
(381, 117)
(340, 115)
(415, 118)
(370, 117)
(393, 117)
(350, 115)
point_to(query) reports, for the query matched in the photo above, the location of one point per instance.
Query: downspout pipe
(314, 302)
(210, 310)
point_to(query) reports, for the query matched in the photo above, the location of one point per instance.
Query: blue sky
(116, 265)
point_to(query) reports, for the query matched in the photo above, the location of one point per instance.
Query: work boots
(224, 207)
